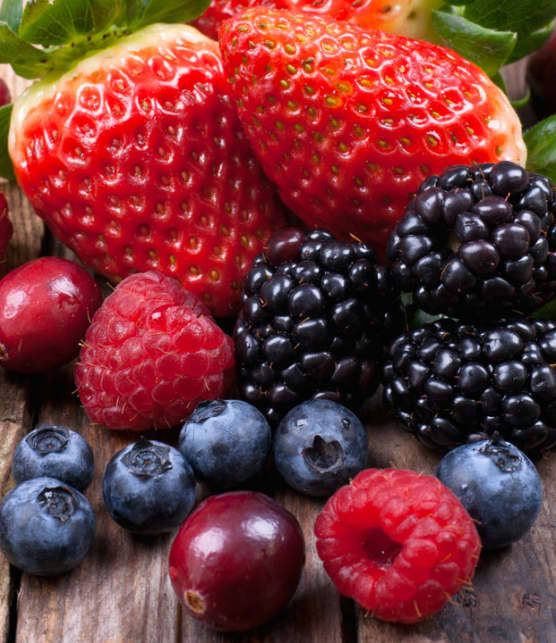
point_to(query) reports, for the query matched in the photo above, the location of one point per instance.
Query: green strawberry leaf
(55, 22)
(10, 13)
(541, 147)
(171, 11)
(548, 311)
(6, 167)
(105, 13)
(487, 48)
(527, 44)
(30, 61)
(525, 17)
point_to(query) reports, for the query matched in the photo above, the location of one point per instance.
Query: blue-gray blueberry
(148, 487)
(498, 485)
(319, 446)
(226, 442)
(55, 451)
(46, 526)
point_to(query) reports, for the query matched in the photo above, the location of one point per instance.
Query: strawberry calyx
(46, 38)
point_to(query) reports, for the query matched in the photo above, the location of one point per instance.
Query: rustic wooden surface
(121, 591)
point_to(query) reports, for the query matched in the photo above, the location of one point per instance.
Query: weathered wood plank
(120, 592)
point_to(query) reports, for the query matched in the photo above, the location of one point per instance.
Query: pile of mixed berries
(321, 325)
(275, 252)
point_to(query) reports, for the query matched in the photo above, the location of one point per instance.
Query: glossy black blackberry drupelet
(450, 383)
(478, 242)
(317, 315)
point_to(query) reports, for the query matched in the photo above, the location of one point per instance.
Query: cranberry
(237, 560)
(45, 307)
(5, 96)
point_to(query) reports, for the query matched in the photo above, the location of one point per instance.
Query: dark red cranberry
(237, 560)
(45, 307)
(5, 96)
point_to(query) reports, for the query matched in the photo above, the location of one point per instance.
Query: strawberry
(349, 122)
(407, 17)
(134, 157)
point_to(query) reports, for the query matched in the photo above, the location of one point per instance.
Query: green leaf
(171, 11)
(420, 318)
(30, 61)
(541, 147)
(55, 22)
(499, 80)
(518, 103)
(10, 13)
(6, 167)
(105, 13)
(527, 44)
(548, 311)
(522, 16)
(487, 48)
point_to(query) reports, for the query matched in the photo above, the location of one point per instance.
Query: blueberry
(46, 526)
(54, 451)
(226, 442)
(318, 446)
(148, 487)
(498, 485)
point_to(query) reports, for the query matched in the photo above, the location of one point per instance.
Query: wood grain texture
(121, 591)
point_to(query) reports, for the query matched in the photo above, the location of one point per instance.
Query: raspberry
(398, 542)
(151, 354)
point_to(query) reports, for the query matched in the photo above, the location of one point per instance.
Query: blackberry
(316, 316)
(478, 241)
(451, 383)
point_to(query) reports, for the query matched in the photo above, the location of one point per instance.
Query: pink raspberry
(400, 543)
(151, 354)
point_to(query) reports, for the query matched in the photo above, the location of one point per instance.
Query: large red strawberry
(407, 17)
(349, 122)
(135, 158)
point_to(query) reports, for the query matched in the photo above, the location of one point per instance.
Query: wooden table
(121, 592)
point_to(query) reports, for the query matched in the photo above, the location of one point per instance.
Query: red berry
(6, 229)
(399, 542)
(5, 96)
(45, 307)
(136, 160)
(348, 122)
(237, 560)
(151, 354)
(407, 17)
